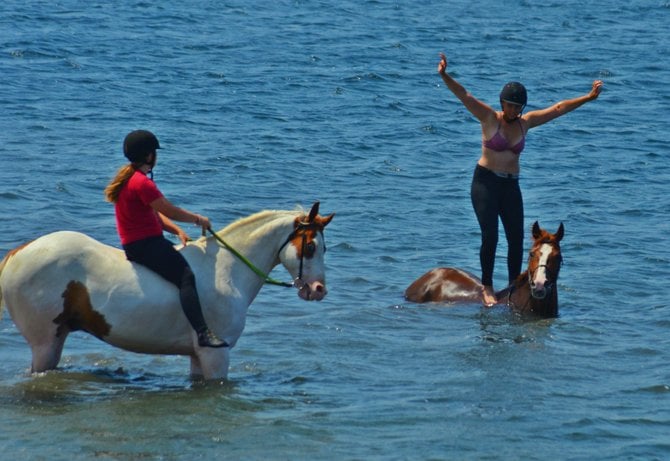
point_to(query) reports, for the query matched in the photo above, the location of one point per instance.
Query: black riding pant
(159, 255)
(494, 196)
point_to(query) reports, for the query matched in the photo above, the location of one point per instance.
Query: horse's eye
(310, 248)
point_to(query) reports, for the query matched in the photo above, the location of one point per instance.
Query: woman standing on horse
(142, 214)
(495, 188)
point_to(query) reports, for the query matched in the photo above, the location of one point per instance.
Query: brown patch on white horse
(79, 314)
(9, 256)
(12, 252)
(4, 262)
(305, 233)
(304, 241)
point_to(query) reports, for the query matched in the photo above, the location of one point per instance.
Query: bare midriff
(500, 162)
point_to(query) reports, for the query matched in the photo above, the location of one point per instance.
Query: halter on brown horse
(534, 291)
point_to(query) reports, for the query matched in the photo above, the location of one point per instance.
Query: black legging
(494, 196)
(159, 255)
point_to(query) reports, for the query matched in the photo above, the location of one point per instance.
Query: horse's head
(544, 261)
(302, 254)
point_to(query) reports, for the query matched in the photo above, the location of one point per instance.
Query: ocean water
(269, 105)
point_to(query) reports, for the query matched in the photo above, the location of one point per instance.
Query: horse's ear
(536, 230)
(559, 233)
(313, 212)
(323, 221)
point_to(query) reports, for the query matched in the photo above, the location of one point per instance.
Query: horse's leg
(45, 338)
(46, 343)
(47, 354)
(196, 369)
(210, 363)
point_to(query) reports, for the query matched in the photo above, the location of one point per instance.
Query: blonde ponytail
(113, 189)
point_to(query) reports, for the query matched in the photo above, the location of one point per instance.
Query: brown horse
(533, 292)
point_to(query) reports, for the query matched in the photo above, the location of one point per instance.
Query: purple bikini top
(499, 143)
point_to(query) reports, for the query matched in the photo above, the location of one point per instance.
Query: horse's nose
(318, 290)
(314, 291)
(538, 290)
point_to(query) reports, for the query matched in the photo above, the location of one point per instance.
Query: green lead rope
(266, 278)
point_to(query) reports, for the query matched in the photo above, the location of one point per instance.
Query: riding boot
(193, 311)
(207, 338)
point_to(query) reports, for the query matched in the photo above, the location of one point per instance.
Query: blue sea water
(265, 105)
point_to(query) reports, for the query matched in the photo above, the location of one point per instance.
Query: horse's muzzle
(539, 285)
(538, 293)
(540, 290)
(313, 291)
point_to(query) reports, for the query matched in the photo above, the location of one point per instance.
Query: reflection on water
(500, 324)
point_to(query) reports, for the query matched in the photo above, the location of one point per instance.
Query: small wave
(656, 389)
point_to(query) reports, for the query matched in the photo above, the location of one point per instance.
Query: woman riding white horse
(67, 281)
(142, 214)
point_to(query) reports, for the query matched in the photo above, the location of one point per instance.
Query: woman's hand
(202, 221)
(596, 89)
(183, 236)
(442, 66)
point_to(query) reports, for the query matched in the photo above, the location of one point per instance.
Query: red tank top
(135, 219)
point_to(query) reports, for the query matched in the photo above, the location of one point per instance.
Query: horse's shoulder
(196, 250)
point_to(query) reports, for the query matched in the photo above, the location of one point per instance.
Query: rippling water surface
(272, 104)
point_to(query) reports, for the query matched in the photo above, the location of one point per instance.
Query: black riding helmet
(515, 93)
(138, 144)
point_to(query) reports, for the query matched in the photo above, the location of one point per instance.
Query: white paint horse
(66, 281)
(533, 292)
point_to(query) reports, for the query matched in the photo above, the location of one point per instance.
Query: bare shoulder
(535, 118)
(491, 121)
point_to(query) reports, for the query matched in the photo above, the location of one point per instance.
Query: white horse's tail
(2, 266)
(3, 263)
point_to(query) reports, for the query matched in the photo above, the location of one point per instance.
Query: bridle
(298, 282)
(549, 286)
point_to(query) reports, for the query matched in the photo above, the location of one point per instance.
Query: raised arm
(480, 110)
(539, 117)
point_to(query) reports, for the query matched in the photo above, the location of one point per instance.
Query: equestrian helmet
(515, 93)
(138, 144)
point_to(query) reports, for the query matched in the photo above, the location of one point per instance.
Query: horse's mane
(259, 220)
